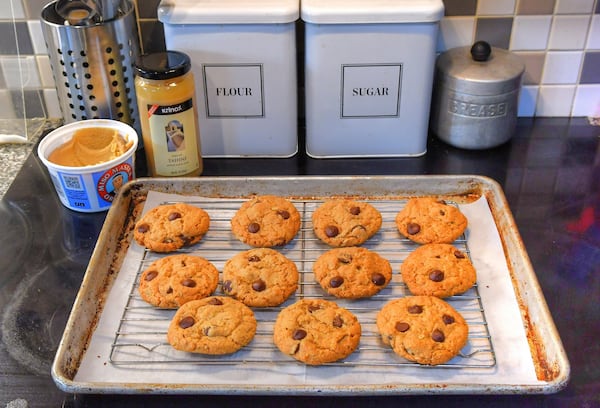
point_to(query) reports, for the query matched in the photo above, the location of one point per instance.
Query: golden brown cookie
(260, 277)
(213, 325)
(171, 281)
(424, 329)
(316, 331)
(353, 272)
(426, 220)
(343, 222)
(266, 221)
(169, 227)
(438, 270)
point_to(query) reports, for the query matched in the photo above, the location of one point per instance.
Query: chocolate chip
(447, 319)
(313, 308)
(188, 283)
(436, 275)
(170, 290)
(442, 212)
(298, 334)
(283, 214)
(254, 258)
(253, 228)
(331, 231)
(338, 321)
(438, 336)
(150, 275)
(355, 210)
(378, 279)
(413, 228)
(215, 302)
(441, 202)
(259, 285)
(336, 281)
(227, 286)
(143, 228)
(402, 327)
(186, 322)
(345, 258)
(415, 309)
(174, 215)
(459, 254)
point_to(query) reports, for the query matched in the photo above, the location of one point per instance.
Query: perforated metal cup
(92, 65)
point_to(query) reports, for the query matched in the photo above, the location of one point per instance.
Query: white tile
(562, 67)
(45, 71)
(37, 38)
(527, 101)
(555, 100)
(587, 101)
(12, 9)
(568, 32)
(495, 7)
(573, 6)
(22, 71)
(593, 42)
(52, 104)
(530, 32)
(455, 32)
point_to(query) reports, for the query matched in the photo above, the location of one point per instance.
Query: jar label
(234, 90)
(174, 138)
(371, 90)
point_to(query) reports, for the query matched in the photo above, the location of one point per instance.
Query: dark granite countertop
(550, 173)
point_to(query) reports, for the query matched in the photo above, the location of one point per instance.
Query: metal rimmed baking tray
(544, 346)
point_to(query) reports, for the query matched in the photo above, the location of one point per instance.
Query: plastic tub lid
(371, 11)
(228, 11)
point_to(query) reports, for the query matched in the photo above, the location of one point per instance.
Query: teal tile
(460, 7)
(496, 31)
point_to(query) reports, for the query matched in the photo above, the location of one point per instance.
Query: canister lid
(480, 69)
(162, 65)
(371, 11)
(228, 11)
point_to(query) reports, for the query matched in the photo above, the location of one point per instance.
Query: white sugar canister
(368, 76)
(244, 59)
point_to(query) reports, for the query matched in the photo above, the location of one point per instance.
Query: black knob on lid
(480, 51)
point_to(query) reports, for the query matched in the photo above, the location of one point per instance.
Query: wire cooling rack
(141, 335)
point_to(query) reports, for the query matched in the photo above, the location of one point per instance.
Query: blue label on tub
(110, 181)
(74, 189)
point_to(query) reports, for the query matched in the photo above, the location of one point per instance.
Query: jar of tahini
(165, 91)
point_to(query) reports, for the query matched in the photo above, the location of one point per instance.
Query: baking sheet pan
(547, 354)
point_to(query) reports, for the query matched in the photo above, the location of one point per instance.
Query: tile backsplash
(558, 40)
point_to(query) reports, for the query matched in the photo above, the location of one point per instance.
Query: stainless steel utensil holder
(92, 65)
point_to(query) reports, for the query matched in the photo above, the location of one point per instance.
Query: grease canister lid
(479, 69)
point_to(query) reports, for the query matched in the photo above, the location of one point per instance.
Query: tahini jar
(165, 91)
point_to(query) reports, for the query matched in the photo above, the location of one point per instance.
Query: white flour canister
(368, 76)
(244, 59)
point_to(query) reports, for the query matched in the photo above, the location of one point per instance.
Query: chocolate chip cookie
(169, 227)
(260, 277)
(344, 222)
(213, 325)
(316, 331)
(438, 270)
(353, 272)
(426, 220)
(176, 279)
(266, 221)
(424, 329)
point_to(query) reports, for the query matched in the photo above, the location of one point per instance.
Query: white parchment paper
(514, 365)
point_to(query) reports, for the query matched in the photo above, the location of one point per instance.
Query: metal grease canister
(165, 90)
(476, 96)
